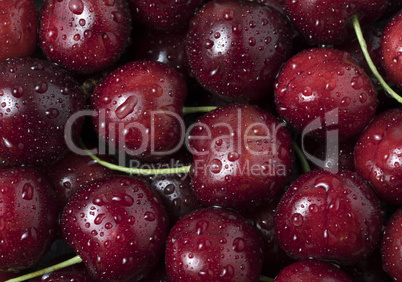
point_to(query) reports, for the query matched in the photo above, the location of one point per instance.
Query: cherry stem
(302, 158)
(192, 110)
(265, 279)
(69, 262)
(363, 46)
(130, 170)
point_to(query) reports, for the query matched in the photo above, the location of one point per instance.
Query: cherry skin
(37, 101)
(378, 156)
(235, 48)
(327, 22)
(391, 245)
(28, 217)
(118, 226)
(163, 14)
(213, 244)
(312, 271)
(18, 32)
(84, 36)
(326, 84)
(391, 54)
(139, 109)
(334, 217)
(242, 157)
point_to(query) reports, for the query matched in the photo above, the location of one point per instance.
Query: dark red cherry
(334, 217)
(164, 47)
(242, 156)
(139, 108)
(174, 189)
(163, 14)
(37, 101)
(391, 50)
(312, 271)
(322, 88)
(28, 217)
(118, 226)
(392, 245)
(213, 244)
(235, 48)
(378, 155)
(74, 171)
(328, 22)
(84, 36)
(18, 31)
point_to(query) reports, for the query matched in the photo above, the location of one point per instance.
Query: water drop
(228, 14)
(149, 216)
(297, 219)
(99, 218)
(52, 113)
(239, 244)
(233, 156)
(76, 6)
(41, 87)
(215, 166)
(27, 192)
(127, 107)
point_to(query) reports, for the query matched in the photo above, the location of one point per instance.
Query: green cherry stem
(130, 170)
(192, 110)
(363, 46)
(72, 261)
(302, 158)
(265, 279)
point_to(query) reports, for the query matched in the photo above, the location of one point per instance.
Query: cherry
(323, 84)
(391, 245)
(139, 109)
(391, 54)
(18, 30)
(312, 271)
(84, 36)
(164, 47)
(242, 156)
(74, 171)
(37, 100)
(334, 217)
(118, 226)
(235, 48)
(163, 14)
(213, 244)
(378, 156)
(174, 189)
(28, 217)
(328, 22)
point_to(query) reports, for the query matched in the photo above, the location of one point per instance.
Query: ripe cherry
(378, 155)
(28, 217)
(37, 101)
(235, 48)
(213, 244)
(325, 86)
(242, 156)
(84, 36)
(118, 226)
(333, 217)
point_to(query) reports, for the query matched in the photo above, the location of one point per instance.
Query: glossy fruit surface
(19, 20)
(213, 244)
(391, 50)
(328, 22)
(37, 100)
(139, 109)
(334, 217)
(325, 86)
(312, 271)
(163, 14)
(242, 156)
(235, 48)
(378, 155)
(28, 217)
(391, 246)
(84, 36)
(118, 226)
